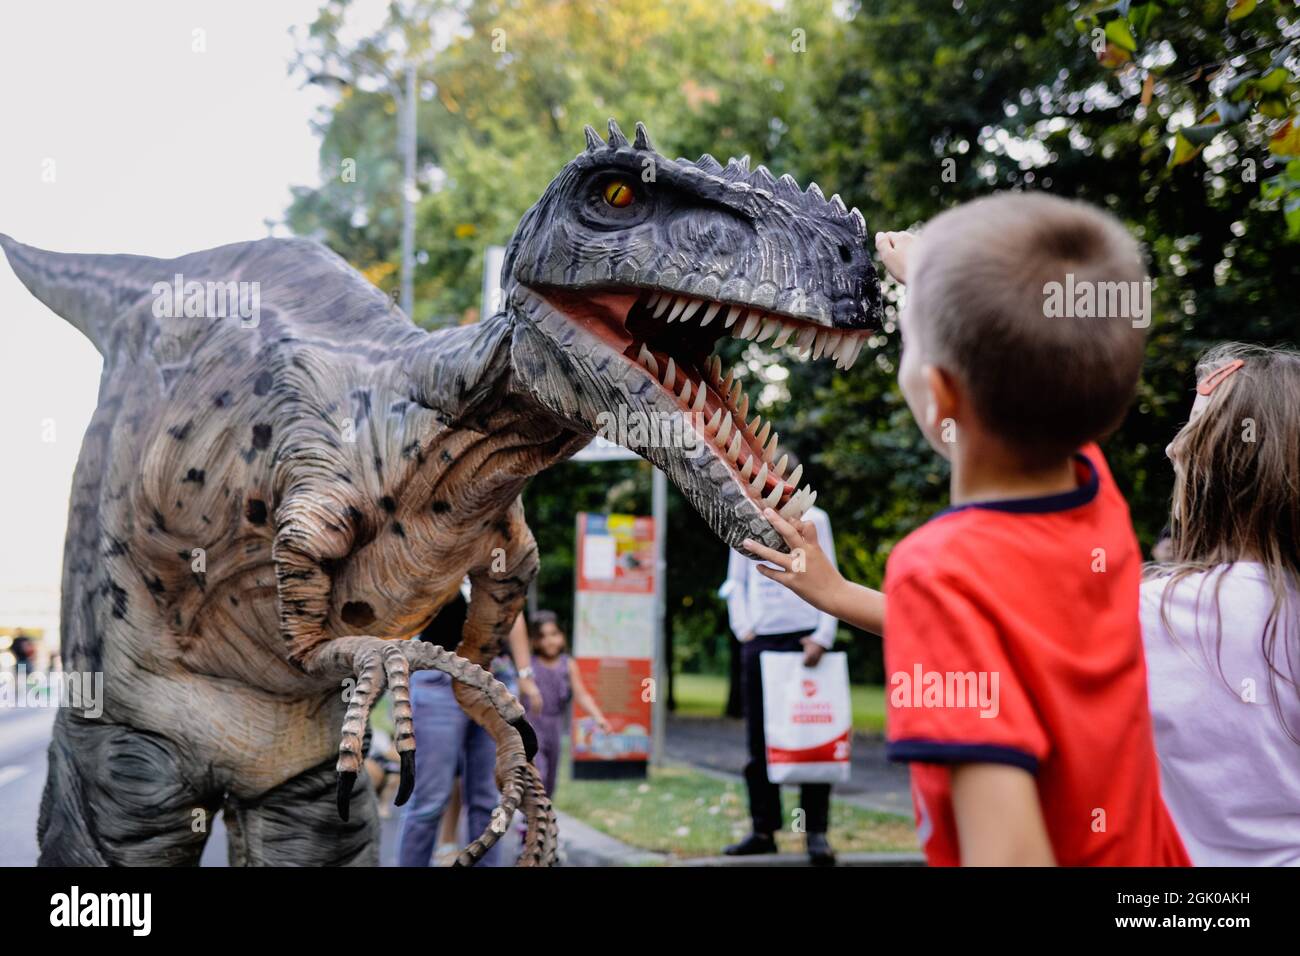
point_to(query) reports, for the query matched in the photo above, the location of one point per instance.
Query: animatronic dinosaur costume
(264, 510)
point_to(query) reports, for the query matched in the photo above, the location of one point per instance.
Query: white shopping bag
(807, 717)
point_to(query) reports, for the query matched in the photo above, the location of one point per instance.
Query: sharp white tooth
(770, 448)
(709, 313)
(786, 332)
(724, 432)
(712, 426)
(819, 343)
(809, 500)
(834, 343)
(726, 383)
(795, 475)
(670, 376)
(788, 509)
(681, 304)
(759, 480)
(686, 392)
(742, 410)
(805, 339)
(852, 357)
(715, 368)
(736, 392)
(700, 395)
(734, 451)
(773, 497)
(770, 326)
(779, 470)
(663, 305)
(748, 469)
(753, 426)
(732, 314)
(762, 436)
(747, 330)
(649, 362)
(654, 300)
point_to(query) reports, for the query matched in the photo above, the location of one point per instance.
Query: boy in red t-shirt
(1017, 686)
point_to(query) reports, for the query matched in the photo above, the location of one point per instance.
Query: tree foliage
(905, 107)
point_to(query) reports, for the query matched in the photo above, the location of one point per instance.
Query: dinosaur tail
(89, 291)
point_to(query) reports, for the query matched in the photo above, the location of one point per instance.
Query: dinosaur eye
(618, 193)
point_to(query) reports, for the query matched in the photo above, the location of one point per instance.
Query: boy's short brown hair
(999, 296)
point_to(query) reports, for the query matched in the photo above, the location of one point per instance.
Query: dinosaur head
(630, 269)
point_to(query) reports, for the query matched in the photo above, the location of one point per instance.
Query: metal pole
(659, 709)
(406, 105)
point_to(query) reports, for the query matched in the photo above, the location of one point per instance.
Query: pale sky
(158, 150)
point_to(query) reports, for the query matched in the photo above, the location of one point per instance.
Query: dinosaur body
(265, 508)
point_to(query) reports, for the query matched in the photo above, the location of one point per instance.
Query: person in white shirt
(767, 616)
(1221, 621)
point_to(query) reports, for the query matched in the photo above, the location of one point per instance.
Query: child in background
(559, 680)
(1221, 621)
(1017, 685)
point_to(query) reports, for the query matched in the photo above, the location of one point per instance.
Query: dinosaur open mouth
(671, 338)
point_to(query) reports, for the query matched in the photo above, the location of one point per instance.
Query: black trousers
(764, 796)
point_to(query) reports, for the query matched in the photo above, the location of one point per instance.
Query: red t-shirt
(1012, 637)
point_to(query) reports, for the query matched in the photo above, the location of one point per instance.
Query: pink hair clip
(1216, 378)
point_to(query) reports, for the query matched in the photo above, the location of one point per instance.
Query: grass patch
(705, 695)
(686, 813)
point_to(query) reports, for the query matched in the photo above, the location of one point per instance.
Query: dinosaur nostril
(845, 254)
(358, 614)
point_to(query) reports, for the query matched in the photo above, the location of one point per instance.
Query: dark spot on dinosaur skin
(261, 437)
(300, 362)
(379, 463)
(255, 511)
(234, 601)
(398, 529)
(413, 451)
(353, 514)
(119, 598)
(196, 475)
(398, 407)
(116, 548)
(180, 505)
(158, 521)
(440, 507)
(388, 504)
(362, 398)
(329, 566)
(358, 614)
(155, 585)
(180, 432)
(222, 399)
(447, 456)
(262, 384)
(503, 528)
(343, 476)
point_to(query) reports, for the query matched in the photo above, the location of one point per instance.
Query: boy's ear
(944, 396)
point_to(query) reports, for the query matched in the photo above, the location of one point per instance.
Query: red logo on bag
(809, 688)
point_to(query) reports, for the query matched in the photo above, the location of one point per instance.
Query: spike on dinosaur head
(630, 268)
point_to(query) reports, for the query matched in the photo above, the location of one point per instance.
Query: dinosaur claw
(528, 734)
(347, 779)
(406, 782)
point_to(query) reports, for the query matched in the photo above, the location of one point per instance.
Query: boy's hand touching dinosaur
(809, 573)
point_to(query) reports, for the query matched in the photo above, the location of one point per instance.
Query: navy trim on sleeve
(938, 751)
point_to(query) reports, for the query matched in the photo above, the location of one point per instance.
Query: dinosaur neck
(499, 433)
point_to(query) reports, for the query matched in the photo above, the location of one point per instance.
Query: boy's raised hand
(895, 250)
(806, 570)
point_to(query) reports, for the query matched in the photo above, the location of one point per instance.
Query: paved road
(24, 735)
(719, 744)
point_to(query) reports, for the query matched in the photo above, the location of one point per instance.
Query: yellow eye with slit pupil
(618, 194)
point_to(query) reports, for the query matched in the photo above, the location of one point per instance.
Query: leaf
(1240, 8)
(1286, 141)
(1140, 16)
(1120, 33)
(1184, 151)
(1291, 211)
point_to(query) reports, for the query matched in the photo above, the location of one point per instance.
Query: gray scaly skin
(261, 516)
